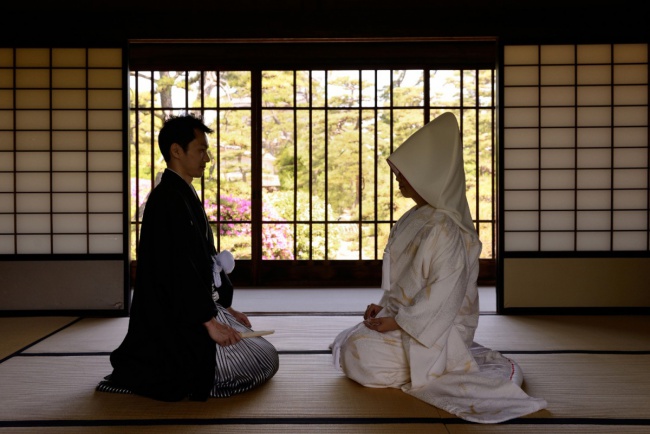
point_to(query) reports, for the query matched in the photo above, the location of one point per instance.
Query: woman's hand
(382, 325)
(371, 311)
(221, 333)
(240, 317)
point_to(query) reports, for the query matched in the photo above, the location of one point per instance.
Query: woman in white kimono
(420, 336)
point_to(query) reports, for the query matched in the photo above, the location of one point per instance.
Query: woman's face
(404, 187)
(408, 191)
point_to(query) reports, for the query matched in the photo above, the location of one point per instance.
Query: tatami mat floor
(592, 370)
(343, 300)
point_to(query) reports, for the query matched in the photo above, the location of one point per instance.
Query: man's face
(193, 161)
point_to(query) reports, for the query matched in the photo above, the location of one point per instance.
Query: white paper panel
(631, 95)
(630, 74)
(518, 179)
(32, 161)
(631, 116)
(68, 182)
(521, 221)
(630, 53)
(32, 140)
(559, 96)
(630, 220)
(105, 141)
(32, 223)
(32, 99)
(558, 158)
(521, 200)
(32, 78)
(558, 179)
(32, 182)
(6, 161)
(104, 161)
(521, 54)
(557, 117)
(557, 54)
(594, 220)
(33, 244)
(105, 99)
(521, 241)
(598, 178)
(521, 96)
(630, 199)
(594, 95)
(6, 99)
(594, 158)
(594, 74)
(557, 220)
(557, 74)
(521, 138)
(69, 202)
(7, 244)
(594, 53)
(69, 99)
(6, 224)
(69, 119)
(6, 202)
(68, 161)
(105, 202)
(68, 140)
(32, 202)
(105, 223)
(74, 57)
(105, 120)
(104, 57)
(521, 159)
(630, 178)
(105, 78)
(521, 75)
(33, 120)
(556, 241)
(69, 244)
(69, 78)
(594, 117)
(105, 182)
(32, 57)
(557, 137)
(69, 223)
(594, 199)
(635, 157)
(594, 137)
(557, 200)
(105, 244)
(633, 241)
(7, 182)
(6, 119)
(593, 241)
(6, 141)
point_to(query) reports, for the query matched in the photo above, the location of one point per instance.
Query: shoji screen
(62, 179)
(574, 177)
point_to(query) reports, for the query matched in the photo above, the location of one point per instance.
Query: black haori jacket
(167, 353)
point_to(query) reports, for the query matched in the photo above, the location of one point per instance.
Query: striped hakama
(244, 365)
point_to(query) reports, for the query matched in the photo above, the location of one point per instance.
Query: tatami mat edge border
(315, 421)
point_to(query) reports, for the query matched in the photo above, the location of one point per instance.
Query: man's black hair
(179, 129)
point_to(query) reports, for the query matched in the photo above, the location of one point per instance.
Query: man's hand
(371, 311)
(221, 333)
(240, 317)
(382, 325)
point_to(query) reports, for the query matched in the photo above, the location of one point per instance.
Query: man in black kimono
(182, 298)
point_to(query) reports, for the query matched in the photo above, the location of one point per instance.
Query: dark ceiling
(100, 22)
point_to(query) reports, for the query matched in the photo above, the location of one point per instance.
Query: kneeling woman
(420, 335)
